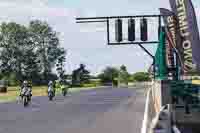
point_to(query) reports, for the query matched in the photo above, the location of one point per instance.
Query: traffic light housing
(118, 30)
(143, 29)
(131, 30)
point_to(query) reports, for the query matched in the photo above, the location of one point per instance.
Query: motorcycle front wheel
(50, 96)
(64, 93)
(25, 101)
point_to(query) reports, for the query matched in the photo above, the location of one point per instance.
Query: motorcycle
(64, 91)
(50, 93)
(26, 96)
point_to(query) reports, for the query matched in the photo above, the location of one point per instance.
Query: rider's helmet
(61, 82)
(25, 82)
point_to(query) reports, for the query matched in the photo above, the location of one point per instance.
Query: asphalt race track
(107, 110)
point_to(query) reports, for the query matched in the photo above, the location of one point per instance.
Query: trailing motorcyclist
(51, 90)
(64, 88)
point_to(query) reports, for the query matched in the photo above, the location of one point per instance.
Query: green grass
(13, 92)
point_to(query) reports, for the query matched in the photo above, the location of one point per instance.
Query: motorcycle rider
(51, 87)
(63, 85)
(25, 87)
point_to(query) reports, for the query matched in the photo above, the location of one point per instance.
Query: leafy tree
(141, 76)
(46, 43)
(13, 39)
(11, 78)
(123, 68)
(60, 65)
(108, 74)
(29, 52)
(80, 76)
(30, 69)
(85, 74)
(123, 75)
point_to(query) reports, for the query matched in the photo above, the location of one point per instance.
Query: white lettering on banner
(184, 31)
(171, 25)
(168, 55)
(188, 53)
(178, 2)
(182, 19)
(171, 40)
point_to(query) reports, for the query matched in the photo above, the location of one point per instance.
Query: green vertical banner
(160, 58)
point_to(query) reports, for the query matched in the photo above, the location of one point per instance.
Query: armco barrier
(156, 122)
(162, 121)
(157, 97)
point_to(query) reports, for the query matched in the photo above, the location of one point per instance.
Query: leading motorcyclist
(24, 88)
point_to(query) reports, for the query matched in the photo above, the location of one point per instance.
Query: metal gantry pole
(116, 17)
(108, 33)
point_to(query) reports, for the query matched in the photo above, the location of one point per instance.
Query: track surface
(104, 110)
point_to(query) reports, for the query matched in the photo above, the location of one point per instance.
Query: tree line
(30, 52)
(81, 76)
(113, 74)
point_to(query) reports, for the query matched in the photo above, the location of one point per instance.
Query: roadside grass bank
(13, 92)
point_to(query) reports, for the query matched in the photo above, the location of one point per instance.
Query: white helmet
(25, 82)
(50, 82)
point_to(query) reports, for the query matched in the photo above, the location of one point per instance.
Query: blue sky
(87, 43)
